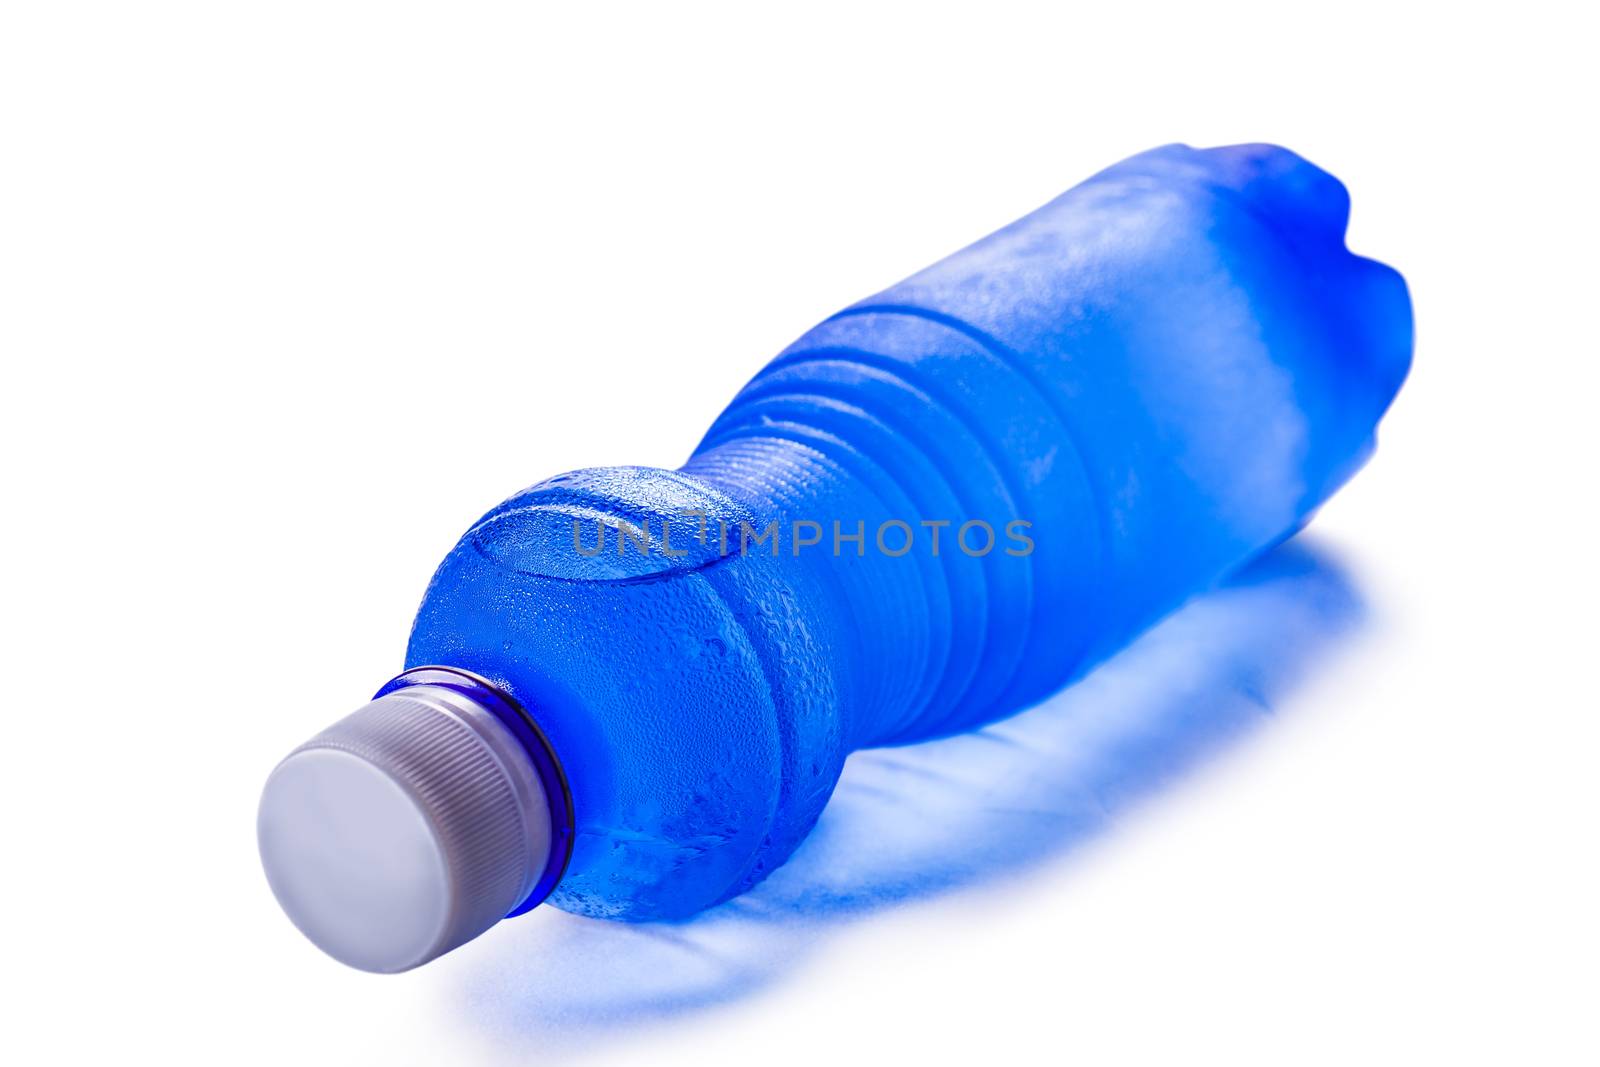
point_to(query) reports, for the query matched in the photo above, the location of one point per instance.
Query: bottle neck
(555, 797)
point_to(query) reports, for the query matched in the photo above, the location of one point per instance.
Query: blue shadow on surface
(910, 823)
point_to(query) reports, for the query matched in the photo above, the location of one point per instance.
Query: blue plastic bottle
(933, 509)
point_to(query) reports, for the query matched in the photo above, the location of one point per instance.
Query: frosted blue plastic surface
(1163, 371)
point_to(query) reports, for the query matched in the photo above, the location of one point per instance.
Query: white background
(290, 293)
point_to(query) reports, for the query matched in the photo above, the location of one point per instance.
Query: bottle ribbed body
(925, 429)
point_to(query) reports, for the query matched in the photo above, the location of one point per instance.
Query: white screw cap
(404, 830)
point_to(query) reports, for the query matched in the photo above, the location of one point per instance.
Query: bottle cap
(404, 830)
